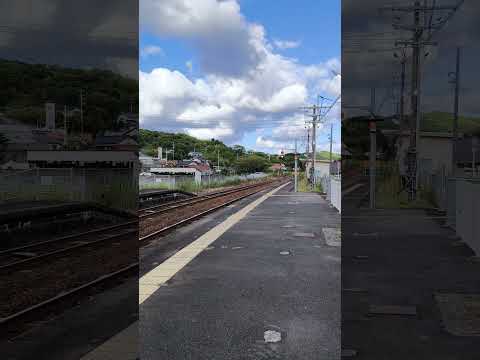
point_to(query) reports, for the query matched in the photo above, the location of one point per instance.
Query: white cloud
(263, 97)
(213, 27)
(286, 44)
(151, 50)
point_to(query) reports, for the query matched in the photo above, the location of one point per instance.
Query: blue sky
(237, 49)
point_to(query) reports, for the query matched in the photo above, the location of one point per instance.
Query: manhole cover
(460, 313)
(272, 336)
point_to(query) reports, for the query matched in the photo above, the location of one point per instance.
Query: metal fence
(332, 186)
(459, 197)
(174, 181)
(117, 188)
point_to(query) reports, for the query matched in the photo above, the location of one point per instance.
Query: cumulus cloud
(286, 44)
(264, 92)
(213, 28)
(93, 34)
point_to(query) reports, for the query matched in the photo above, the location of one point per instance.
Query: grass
(304, 185)
(192, 186)
(389, 196)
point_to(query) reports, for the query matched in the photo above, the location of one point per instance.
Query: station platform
(258, 280)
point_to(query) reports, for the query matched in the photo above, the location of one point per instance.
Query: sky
(368, 60)
(240, 70)
(93, 34)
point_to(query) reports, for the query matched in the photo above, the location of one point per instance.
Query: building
(82, 159)
(128, 120)
(322, 168)
(278, 168)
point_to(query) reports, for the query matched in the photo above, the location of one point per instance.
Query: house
(128, 120)
(278, 168)
(435, 150)
(115, 142)
(322, 168)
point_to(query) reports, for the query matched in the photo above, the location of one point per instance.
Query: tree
(251, 164)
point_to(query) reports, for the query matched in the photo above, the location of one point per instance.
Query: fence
(117, 188)
(459, 197)
(174, 181)
(332, 186)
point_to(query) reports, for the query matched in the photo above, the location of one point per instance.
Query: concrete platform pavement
(411, 290)
(267, 288)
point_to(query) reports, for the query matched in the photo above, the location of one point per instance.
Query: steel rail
(183, 221)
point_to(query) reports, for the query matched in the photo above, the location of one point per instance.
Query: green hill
(150, 140)
(443, 122)
(25, 88)
(325, 155)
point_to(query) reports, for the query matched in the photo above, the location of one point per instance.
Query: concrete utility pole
(331, 142)
(314, 144)
(373, 152)
(81, 112)
(474, 155)
(307, 150)
(456, 81)
(417, 43)
(296, 167)
(317, 116)
(401, 116)
(65, 125)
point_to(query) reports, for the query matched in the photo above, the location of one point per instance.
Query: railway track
(196, 208)
(33, 311)
(39, 251)
(32, 255)
(161, 208)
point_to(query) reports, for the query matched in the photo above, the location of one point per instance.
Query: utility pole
(173, 150)
(456, 81)
(331, 141)
(474, 155)
(314, 144)
(317, 116)
(65, 124)
(373, 151)
(218, 160)
(81, 111)
(296, 167)
(307, 150)
(417, 42)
